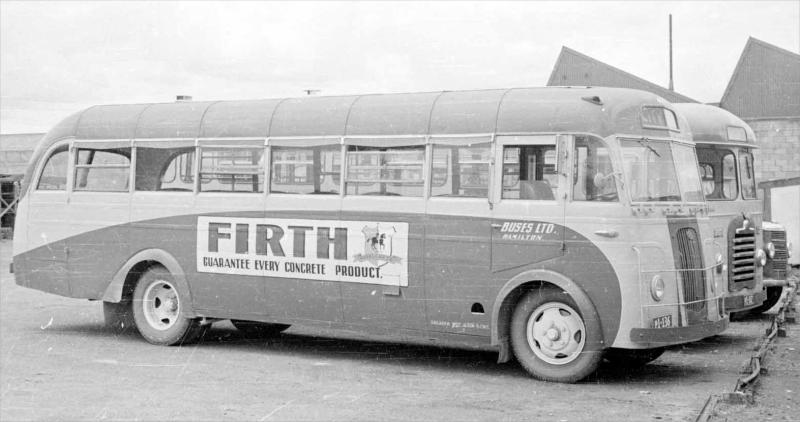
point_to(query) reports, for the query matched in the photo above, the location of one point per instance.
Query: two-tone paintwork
(464, 270)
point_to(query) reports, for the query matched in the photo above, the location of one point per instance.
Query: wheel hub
(556, 333)
(161, 305)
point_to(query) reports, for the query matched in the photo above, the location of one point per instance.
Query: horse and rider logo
(378, 246)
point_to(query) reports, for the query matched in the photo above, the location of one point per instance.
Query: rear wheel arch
(124, 281)
(514, 289)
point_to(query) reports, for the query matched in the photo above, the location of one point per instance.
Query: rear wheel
(259, 329)
(632, 358)
(157, 310)
(551, 338)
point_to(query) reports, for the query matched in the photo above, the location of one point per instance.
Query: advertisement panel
(373, 252)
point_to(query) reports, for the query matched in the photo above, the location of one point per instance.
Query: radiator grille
(742, 259)
(776, 267)
(692, 275)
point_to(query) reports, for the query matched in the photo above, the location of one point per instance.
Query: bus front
(756, 250)
(677, 262)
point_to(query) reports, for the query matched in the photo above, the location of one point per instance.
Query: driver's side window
(593, 172)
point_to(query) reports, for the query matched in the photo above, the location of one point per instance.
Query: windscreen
(658, 171)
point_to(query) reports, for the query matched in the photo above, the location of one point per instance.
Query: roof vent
(181, 98)
(593, 99)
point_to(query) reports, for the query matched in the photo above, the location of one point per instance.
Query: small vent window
(737, 134)
(659, 118)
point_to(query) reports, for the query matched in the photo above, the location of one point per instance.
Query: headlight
(761, 257)
(657, 288)
(770, 250)
(719, 261)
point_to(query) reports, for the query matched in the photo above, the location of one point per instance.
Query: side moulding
(114, 290)
(503, 306)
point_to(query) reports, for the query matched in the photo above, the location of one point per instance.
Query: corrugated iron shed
(16, 150)
(576, 69)
(765, 83)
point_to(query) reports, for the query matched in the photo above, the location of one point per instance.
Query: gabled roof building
(575, 69)
(765, 83)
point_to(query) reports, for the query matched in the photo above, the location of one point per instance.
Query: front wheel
(551, 338)
(157, 308)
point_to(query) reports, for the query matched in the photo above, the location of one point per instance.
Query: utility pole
(671, 85)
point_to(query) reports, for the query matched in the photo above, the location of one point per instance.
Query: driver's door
(528, 197)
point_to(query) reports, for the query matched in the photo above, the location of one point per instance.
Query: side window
(232, 170)
(748, 175)
(730, 187)
(593, 175)
(707, 178)
(102, 170)
(165, 169)
(388, 171)
(529, 172)
(54, 173)
(306, 170)
(461, 171)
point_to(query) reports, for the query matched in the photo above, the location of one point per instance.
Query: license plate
(748, 300)
(662, 321)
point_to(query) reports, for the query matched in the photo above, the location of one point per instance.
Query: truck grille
(692, 275)
(776, 267)
(742, 258)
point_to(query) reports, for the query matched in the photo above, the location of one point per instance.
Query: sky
(57, 58)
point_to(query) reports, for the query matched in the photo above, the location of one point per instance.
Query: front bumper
(771, 282)
(737, 303)
(675, 335)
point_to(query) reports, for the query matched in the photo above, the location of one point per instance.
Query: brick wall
(778, 156)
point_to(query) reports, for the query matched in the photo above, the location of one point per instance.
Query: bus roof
(600, 111)
(712, 125)
(553, 109)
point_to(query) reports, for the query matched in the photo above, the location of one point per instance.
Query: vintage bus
(725, 147)
(560, 225)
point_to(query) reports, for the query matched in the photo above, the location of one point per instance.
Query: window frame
(52, 151)
(743, 153)
(459, 141)
(102, 145)
(666, 126)
(204, 146)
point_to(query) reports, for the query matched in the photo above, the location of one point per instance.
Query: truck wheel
(118, 316)
(157, 307)
(551, 338)
(773, 296)
(632, 358)
(256, 329)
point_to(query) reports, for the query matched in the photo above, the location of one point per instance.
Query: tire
(632, 358)
(256, 329)
(119, 316)
(157, 307)
(773, 296)
(552, 340)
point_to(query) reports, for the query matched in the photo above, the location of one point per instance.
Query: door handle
(607, 233)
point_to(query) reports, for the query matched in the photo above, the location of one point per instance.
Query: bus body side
(366, 233)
